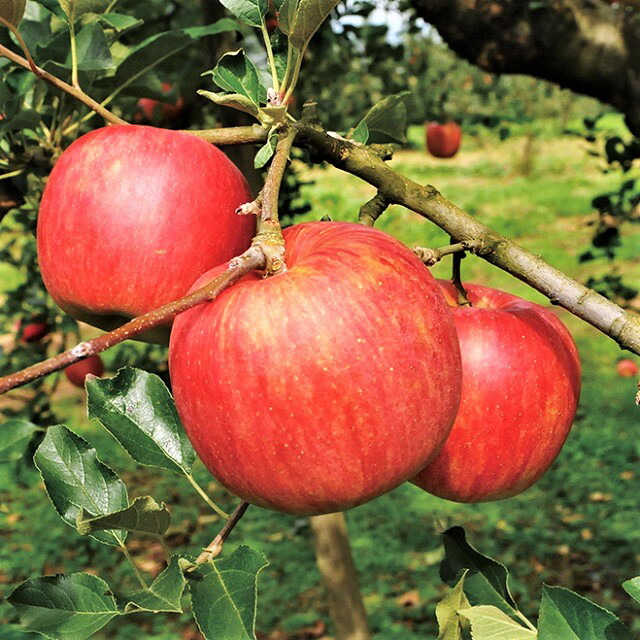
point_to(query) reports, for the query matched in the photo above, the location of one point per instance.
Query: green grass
(578, 527)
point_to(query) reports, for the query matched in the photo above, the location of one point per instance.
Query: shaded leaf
(93, 49)
(286, 16)
(387, 120)
(15, 436)
(75, 480)
(224, 594)
(233, 100)
(309, 15)
(164, 594)
(237, 74)
(76, 8)
(120, 22)
(12, 10)
(65, 607)
(251, 12)
(360, 133)
(632, 587)
(489, 623)
(138, 410)
(266, 152)
(564, 615)
(447, 612)
(144, 515)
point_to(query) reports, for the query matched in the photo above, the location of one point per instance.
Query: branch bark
(587, 46)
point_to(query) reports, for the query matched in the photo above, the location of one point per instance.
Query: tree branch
(583, 302)
(214, 548)
(250, 134)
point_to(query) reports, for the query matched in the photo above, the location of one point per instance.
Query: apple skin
(443, 140)
(78, 371)
(131, 216)
(33, 331)
(627, 368)
(321, 388)
(520, 390)
(156, 112)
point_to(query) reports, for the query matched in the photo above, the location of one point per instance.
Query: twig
(214, 548)
(433, 256)
(456, 279)
(22, 43)
(251, 134)
(252, 259)
(370, 211)
(61, 84)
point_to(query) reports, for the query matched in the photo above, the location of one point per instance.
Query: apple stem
(214, 548)
(456, 279)
(203, 494)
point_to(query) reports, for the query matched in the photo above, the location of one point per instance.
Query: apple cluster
(324, 386)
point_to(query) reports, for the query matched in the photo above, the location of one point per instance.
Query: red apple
(160, 112)
(520, 388)
(443, 140)
(271, 23)
(131, 216)
(78, 371)
(627, 368)
(323, 387)
(33, 332)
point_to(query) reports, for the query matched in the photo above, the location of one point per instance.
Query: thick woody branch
(61, 84)
(252, 259)
(583, 302)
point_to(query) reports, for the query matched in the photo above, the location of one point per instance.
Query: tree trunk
(340, 578)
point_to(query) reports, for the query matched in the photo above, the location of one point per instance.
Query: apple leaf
(309, 15)
(564, 615)
(387, 120)
(237, 74)
(266, 151)
(138, 410)
(164, 594)
(485, 581)
(65, 607)
(632, 587)
(489, 623)
(360, 133)
(224, 594)
(286, 14)
(250, 12)
(160, 46)
(93, 50)
(76, 8)
(15, 436)
(144, 515)
(447, 612)
(233, 100)
(12, 10)
(120, 22)
(75, 480)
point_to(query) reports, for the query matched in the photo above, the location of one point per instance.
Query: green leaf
(120, 22)
(233, 100)
(160, 46)
(65, 607)
(15, 436)
(237, 74)
(565, 615)
(309, 15)
(75, 480)
(138, 410)
(486, 579)
(250, 12)
(76, 8)
(224, 595)
(266, 151)
(489, 623)
(93, 49)
(144, 515)
(12, 10)
(447, 612)
(164, 594)
(387, 120)
(360, 133)
(632, 587)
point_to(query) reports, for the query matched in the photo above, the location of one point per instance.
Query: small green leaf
(120, 22)
(76, 8)
(266, 152)
(138, 410)
(387, 120)
(250, 12)
(164, 594)
(233, 100)
(447, 612)
(93, 49)
(489, 623)
(360, 133)
(15, 436)
(144, 515)
(65, 607)
(237, 74)
(224, 595)
(632, 587)
(12, 10)
(309, 15)
(75, 480)
(286, 15)
(565, 615)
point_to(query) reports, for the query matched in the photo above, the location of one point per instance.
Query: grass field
(578, 527)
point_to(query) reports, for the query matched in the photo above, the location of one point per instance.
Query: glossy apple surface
(627, 368)
(443, 140)
(321, 388)
(520, 388)
(131, 216)
(78, 371)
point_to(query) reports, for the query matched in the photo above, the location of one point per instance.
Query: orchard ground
(578, 527)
